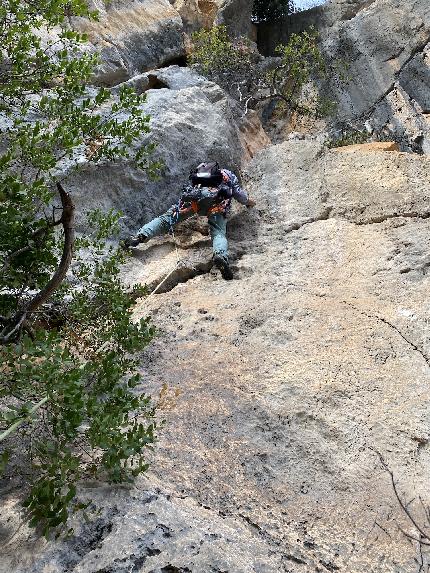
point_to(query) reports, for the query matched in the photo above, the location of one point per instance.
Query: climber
(208, 193)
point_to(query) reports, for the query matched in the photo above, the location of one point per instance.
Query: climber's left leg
(218, 229)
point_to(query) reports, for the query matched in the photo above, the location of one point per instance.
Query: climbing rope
(176, 266)
(154, 292)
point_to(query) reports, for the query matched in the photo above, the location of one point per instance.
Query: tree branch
(424, 535)
(67, 220)
(21, 421)
(21, 317)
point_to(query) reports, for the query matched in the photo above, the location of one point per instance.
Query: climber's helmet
(207, 174)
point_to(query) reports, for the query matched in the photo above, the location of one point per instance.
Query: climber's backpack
(206, 188)
(200, 198)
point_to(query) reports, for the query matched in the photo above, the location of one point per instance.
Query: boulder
(133, 36)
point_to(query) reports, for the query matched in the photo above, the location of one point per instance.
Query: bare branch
(413, 538)
(15, 329)
(404, 506)
(67, 220)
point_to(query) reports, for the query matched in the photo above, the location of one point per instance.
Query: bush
(71, 405)
(241, 72)
(231, 64)
(349, 136)
(217, 56)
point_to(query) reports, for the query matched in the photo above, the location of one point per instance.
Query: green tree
(230, 63)
(245, 76)
(271, 10)
(70, 401)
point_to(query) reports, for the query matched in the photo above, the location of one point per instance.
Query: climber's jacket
(236, 191)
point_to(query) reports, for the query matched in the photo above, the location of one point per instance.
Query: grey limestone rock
(191, 120)
(133, 36)
(148, 530)
(282, 383)
(415, 79)
(384, 44)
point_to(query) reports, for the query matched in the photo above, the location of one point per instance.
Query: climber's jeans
(217, 226)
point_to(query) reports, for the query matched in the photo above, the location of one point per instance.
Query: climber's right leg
(158, 226)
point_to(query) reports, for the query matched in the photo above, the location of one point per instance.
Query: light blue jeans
(217, 226)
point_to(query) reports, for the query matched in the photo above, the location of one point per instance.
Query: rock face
(282, 383)
(278, 388)
(148, 529)
(386, 46)
(326, 15)
(133, 36)
(315, 354)
(235, 14)
(185, 134)
(386, 43)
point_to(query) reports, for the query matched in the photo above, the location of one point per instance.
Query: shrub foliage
(237, 68)
(70, 406)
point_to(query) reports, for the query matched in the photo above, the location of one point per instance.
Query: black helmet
(207, 174)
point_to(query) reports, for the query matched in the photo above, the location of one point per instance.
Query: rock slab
(283, 383)
(133, 36)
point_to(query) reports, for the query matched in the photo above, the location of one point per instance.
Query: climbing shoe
(133, 241)
(222, 264)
